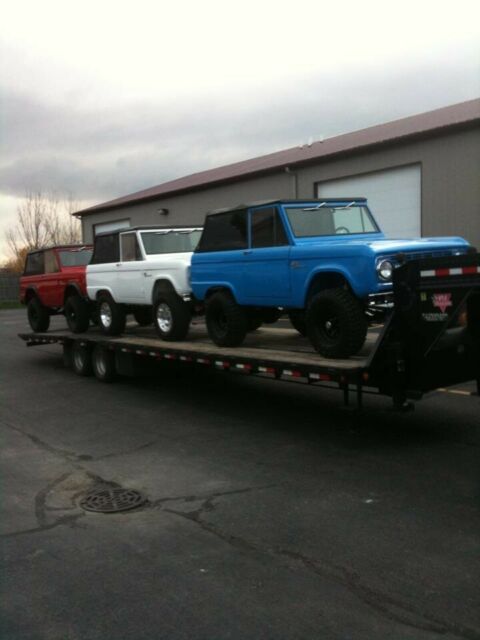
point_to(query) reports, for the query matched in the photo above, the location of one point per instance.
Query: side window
(51, 265)
(267, 228)
(224, 231)
(35, 264)
(130, 248)
(106, 249)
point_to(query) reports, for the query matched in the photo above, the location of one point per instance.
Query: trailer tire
(336, 323)
(143, 316)
(111, 316)
(103, 364)
(77, 314)
(38, 315)
(297, 320)
(227, 321)
(81, 359)
(171, 317)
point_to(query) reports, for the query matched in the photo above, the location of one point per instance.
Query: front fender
(337, 271)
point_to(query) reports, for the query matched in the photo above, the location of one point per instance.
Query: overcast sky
(103, 98)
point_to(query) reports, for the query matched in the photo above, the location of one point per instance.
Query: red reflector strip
(243, 367)
(186, 358)
(320, 376)
(222, 365)
(292, 374)
(169, 356)
(266, 370)
(203, 360)
(454, 271)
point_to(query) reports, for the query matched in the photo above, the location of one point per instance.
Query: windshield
(75, 257)
(175, 241)
(328, 220)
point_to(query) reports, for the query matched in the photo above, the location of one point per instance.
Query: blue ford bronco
(326, 263)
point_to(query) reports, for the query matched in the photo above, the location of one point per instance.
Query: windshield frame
(165, 232)
(305, 206)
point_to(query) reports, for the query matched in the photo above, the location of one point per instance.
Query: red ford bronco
(53, 282)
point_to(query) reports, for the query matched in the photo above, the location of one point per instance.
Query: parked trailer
(430, 339)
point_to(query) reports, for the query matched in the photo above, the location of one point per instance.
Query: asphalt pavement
(272, 513)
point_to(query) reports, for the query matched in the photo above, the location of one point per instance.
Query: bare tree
(42, 220)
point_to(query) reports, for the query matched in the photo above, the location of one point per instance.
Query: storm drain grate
(112, 500)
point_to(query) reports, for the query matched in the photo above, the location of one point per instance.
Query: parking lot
(273, 512)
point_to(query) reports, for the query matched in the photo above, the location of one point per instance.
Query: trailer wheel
(81, 360)
(111, 316)
(172, 317)
(77, 314)
(103, 363)
(336, 323)
(38, 316)
(143, 316)
(227, 322)
(297, 320)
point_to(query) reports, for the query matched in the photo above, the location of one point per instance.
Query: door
(266, 273)
(130, 270)
(51, 293)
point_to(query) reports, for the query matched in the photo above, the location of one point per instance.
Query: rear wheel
(111, 316)
(81, 360)
(227, 322)
(336, 323)
(77, 314)
(38, 315)
(143, 316)
(172, 317)
(103, 364)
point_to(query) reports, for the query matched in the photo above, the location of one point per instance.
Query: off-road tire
(117, 317)
(298, 322)
(336, 323)
(143, 316)
(38, 315)
(227, 322)
(77, 314)
(81, 359)
(103, 364)
(171, 317)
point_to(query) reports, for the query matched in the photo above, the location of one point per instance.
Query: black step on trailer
(430, 339)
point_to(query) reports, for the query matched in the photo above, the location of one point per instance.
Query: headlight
(385, 269)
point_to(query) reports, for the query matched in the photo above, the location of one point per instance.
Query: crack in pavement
(383, 603)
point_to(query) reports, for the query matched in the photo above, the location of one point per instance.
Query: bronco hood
(417, 245)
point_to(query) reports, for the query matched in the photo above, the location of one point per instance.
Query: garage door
(393, 196)
(104, 227)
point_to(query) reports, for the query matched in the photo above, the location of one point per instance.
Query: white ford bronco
(144, 271)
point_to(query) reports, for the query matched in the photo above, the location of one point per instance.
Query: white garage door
(104, 227)
(393, 197)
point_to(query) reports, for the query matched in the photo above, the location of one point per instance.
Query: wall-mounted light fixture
(163, 212)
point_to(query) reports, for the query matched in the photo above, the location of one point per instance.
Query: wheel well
(69, 291)
(103, 292)
(213, 290)
(328, 280)
(29, 294)
(162, 287)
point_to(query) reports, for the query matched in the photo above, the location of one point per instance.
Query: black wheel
(111, 316)
(38, 315)
(81, 360)
(171, 317)
(336, 323)
(77, 314)
(297, 319)
(227, 322)
(143, 316)
(103, 364)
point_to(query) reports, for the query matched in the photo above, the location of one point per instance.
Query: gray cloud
(114, 151)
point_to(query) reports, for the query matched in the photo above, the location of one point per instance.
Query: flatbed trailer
(430, 339)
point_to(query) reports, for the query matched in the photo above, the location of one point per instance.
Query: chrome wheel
(105, 314)
(164, 318)
(100, 364)
(78, 359)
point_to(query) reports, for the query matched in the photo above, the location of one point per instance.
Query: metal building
(420, 174)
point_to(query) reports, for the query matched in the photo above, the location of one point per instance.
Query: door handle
(119, 264)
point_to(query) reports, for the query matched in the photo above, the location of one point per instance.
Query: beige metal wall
(450, 187)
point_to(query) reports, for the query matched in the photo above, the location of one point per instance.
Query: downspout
(294, 175)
